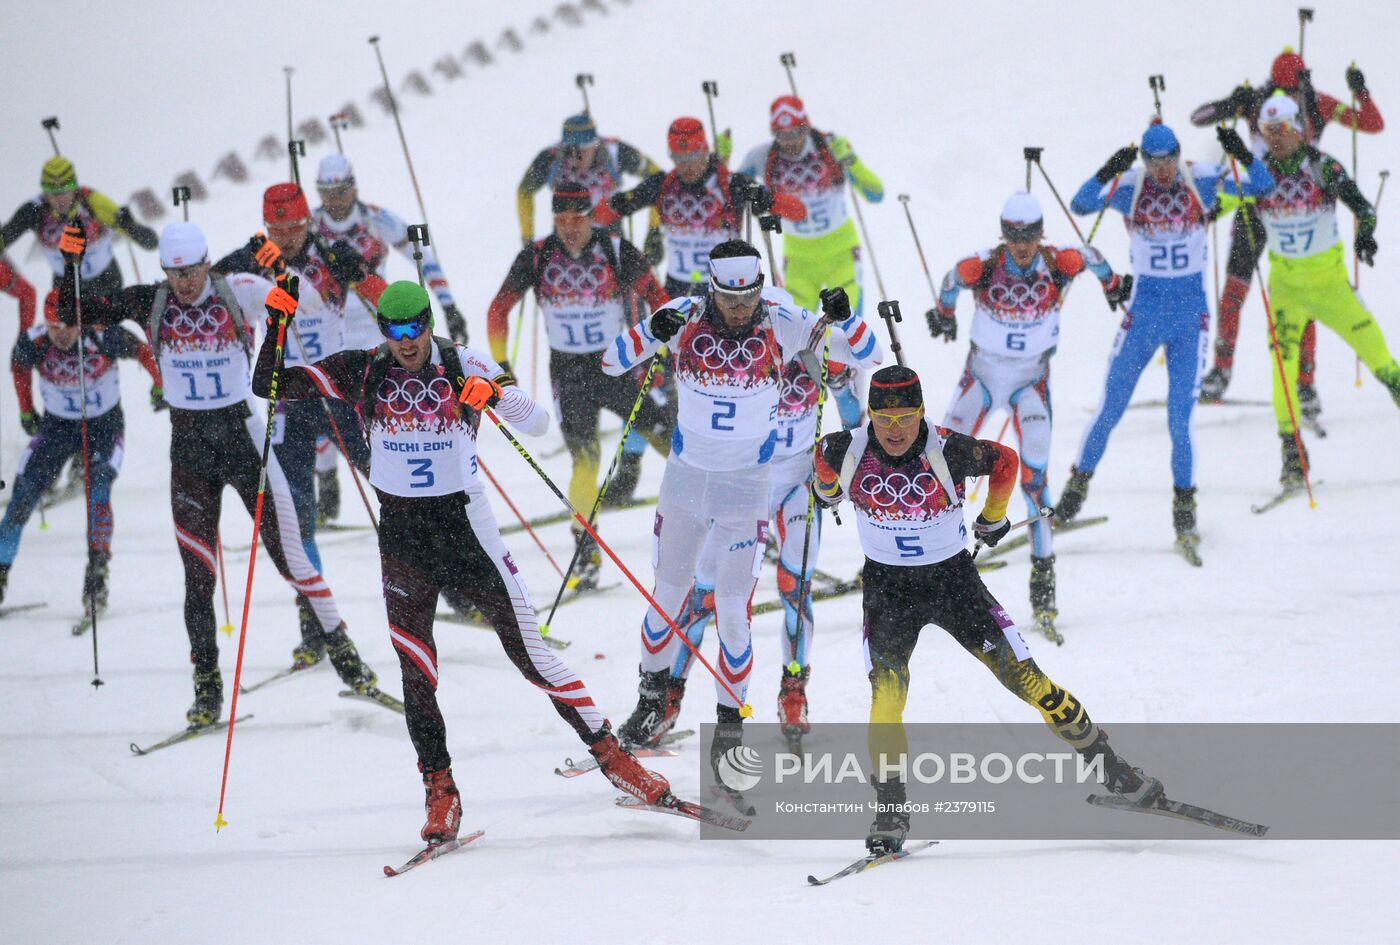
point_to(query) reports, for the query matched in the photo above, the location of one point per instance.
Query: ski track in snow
(1291, 619)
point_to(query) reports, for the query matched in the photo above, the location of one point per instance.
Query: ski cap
(403, 301)
(1284, 73)
(58, 176)
(786, 113)
(736, 269)
(1280, 109)
(686, 136)
(894, 388)
(285, 205)
(571, 198)
(1021, 217)
(1159, 141)
(182, 244)
(580, 130)
(335, 171)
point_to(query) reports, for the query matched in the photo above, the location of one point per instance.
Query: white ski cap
(736, 274)
(1022, 208)
(182, 244)
(1280, 108)
(335, 170)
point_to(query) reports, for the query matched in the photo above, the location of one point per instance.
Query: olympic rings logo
(716, 354)
(413, 395)
(574, 278)
(1020, 296)
(797, 390)
(198, 322)
(1299, 193)
(684, 209)
(62, 367)
(804, 174)
(898, 489)
(1174, 204)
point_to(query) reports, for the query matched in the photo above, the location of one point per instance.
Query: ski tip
(812, 880)
(390, 871)
(136, 749)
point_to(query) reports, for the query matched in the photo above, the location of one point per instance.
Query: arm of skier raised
(120, 218)
(519, 280)
(1093, 194)
(969, 457)
(340, 375)
(645, 194)
(643, 339)
(15, 285)
(536, 176)
(796, 329)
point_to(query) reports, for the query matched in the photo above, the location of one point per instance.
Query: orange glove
(604, 214)
(479, 393)
(789, 207)
(73, 242)
(266, 253)
(281, 302)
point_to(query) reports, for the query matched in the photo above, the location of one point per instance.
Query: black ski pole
(768, 224)
(1051, 184)
(51, 125)
(1305, 15)
(1380, 191)
(1031, 155)
(289, 70)
(91, 601)
(418, 236)
(711, 90)
(1158, 85)
(398, 123)
(889, 311)
(583, 80)
(180, 194)
(789, 62)
(339, 123)
(804, 579)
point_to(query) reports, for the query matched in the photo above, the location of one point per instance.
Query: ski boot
(729, 735)
(792, 705)
(1291, 478)
(1043, 597)
(590, 563)
(95, 582)
(891, 826)
(208, 698)
(327, 497)
(1390, 377)
(1121, 778)
(1309, 407)
(623, 486)
(346, 660)
(312, 648)
(1073, 496)
(443, 806)
(621, 767)
(648, 721)
(4, 580)
(1184, 521)
(1214, 384)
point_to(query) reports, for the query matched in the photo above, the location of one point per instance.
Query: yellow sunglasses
(897, 421)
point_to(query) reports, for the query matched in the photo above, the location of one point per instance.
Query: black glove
(1122, 159)
(665, 323)
(654, 247)
(456, 324)
(29, 422)
(158, 402)
(1356, 80)
(822, 500)
(125, 221)
(1234, 145)
(1241, 100)
(989, 533)
(760, 199)
(1366, 247)
(346, 264)
(740, 187)
(836, 305)
(942, 323)
(1118, 291)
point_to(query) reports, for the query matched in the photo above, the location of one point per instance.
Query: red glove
(479, 393)
(604, 215)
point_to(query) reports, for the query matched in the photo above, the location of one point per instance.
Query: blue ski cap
(1159, 141)
(580, 130)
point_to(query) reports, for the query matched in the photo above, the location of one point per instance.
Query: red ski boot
(626, 773)
(792, 702)
(443, 806)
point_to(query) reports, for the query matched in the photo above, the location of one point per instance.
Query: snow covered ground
(1292, 618)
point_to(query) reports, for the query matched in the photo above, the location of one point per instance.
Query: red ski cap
(1286, 68)
(686, 136)
(285, 205)
(787, 112)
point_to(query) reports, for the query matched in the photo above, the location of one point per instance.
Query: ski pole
(1356, 223)
(745, 710)
(1158, 85)
(865, 235)
(711, 90)
(290, 134)
(338, 123)
(51, 125)
(804, 580)
(1032, 155)
(181, 195)
(789, 62)
(1102, 210)
(534, 349)
(1051, 184)
(923, 261)
(481, 463)
(583, 80)
(1273, 338)
(768, 224)
(1305, 15)
(977, 486)
(642, 393)
(1044, 511)
(227, 628)
(285, 295)
(519, 332)
(889, 311)
(76, 262)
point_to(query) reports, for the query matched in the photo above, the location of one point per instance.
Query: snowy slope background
(1292, 618)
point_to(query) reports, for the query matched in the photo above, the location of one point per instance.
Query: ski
(1221, 402)
(337, 527)
(375, 695)
(670, 804)
(869, 861)
(733, 800)
(434, 850)
(572, 768)
(289, 671)
(1189, 812)
(550, 640)
(194, 731)
(1315, 426)
(1023, 539)
(1045, 623)
(1280, 497)
(20, 608)
(557, 517)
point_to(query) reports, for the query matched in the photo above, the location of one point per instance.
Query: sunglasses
(184, 272)
(792, 134)
(405, 331)
(896, 421)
